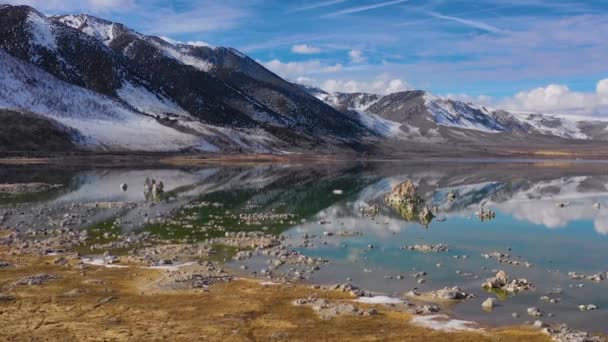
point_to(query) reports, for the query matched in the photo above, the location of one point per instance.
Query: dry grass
(243, 310)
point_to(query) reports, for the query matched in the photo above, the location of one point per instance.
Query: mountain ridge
(119, 90)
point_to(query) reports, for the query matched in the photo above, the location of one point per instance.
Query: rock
(7, 298)
(500, 280)
(401, 193)
(450, 293)
(588, 307)
(73, 293)
(37, 279)
(489, 303)
(486, 214)
(535, 312)
(563, 334)
(427, 248)
(426, 215)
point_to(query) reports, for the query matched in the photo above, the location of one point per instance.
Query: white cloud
(356, 56)
(305, 49)
(306, 81)
(602, 90)
(292, 70)
(381, 85)
(558, 98)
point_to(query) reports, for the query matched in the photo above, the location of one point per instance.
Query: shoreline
(172, 160)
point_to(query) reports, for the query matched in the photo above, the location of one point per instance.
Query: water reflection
(475, 208)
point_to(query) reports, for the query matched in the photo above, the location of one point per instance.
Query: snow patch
(99, 29)
(101, 262)
(173, 51)
(457, 114)
(146, 102)
(379, 125)
(552, 125)
(41, 31)
(379, 300)
(444, 323)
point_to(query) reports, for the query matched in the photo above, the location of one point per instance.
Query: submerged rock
(534, 312)
(427, 248)
(489, 303)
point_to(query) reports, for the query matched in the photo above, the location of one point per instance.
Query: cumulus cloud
(305, 49)
(560, 99)
(356, 56)
(292, 70)
(381, 85)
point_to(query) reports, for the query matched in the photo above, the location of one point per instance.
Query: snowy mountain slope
(447, 119)
(458, 114)
(193, 92)
(102, 121)
(223, 74)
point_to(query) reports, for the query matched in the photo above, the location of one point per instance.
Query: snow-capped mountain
(431, 117)
(122, 90)
(108, 87)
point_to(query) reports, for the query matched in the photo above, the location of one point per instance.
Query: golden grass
(242, 310)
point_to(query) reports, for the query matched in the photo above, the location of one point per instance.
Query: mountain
(419, 115)
(122, 90)
(97, 85)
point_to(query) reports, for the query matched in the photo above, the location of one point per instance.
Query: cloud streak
(364, 8)
(316, 6)
(471, 23)
(305, 49)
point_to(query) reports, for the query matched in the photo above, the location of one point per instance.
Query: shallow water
(528, 225)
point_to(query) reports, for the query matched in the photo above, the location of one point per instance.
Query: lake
(551, 215)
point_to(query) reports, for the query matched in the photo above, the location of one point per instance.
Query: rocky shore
(113, 290)
(58, 280)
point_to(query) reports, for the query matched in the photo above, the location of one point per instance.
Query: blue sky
(530, 54)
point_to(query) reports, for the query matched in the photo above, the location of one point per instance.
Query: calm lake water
(529, 225)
